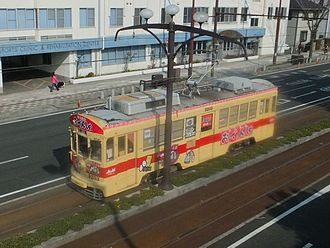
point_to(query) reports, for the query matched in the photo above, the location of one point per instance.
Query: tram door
(126, 157)
(206, 136)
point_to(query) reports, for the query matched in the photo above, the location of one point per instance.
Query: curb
(177, 191)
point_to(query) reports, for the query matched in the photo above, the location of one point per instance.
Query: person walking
(300, 48)
(325, 48)
(53, 82)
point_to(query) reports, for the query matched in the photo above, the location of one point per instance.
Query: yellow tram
(114, 148)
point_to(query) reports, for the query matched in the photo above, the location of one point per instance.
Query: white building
(76, 38)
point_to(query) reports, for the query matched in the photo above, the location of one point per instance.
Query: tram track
(245, 198)
(177, 240)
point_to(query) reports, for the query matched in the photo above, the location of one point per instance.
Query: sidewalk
(25, 104)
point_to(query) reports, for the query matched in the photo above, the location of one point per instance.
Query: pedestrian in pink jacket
(53, 82)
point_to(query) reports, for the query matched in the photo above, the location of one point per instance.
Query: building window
(26, 18)
(121, 55)
(254, 22)
(137, 18)
(55, 18)
(116, 17)
(87, 17)
(270, 13)
(187, 13)
(228, 46)
(165, 18)
(157, 51)
(244, 12)
(17, 19)
(227, 15)
(303, 36)
(282, 14)
(85, 58)
(200, 47)
(11, 19)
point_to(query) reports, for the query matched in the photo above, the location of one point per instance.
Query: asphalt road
(293, 224)
(34, 152)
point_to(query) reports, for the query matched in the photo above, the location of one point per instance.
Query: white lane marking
(326, 70)
(326, 89)
(308, 245)
(281, 216)
(304, 104)
(306, 94)
(51, 114)
(303, 87)
(32, 194)
(13, 160)
(32, 187)
(282, 101)
(298, 82)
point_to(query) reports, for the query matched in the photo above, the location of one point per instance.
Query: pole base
(165, 185)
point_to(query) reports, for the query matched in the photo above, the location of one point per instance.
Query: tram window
(223, 119)
(109, 149)
(149, 138)
(262, 106)
(130, 143)
(95, 150)
(233, 115)
(274, 104)
(161, 134)
(267, 106)
(243, 111)
(253, 109)
(121, 146)
(190, 127)
(82, 145)
(177, 130)
(206, 122)
(73, 141)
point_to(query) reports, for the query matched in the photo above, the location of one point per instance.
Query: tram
(113, 149)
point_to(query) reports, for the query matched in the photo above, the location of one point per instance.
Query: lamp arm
(159, 41)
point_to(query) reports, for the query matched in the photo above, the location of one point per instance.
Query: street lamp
(171, 27)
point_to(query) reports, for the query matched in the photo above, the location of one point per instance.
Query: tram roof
(215, 91)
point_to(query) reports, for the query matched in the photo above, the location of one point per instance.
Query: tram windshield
(82, 146)
(93, 150)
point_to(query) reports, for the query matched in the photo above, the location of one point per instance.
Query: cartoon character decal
(190, 156)
(174, 155)
(146, 164)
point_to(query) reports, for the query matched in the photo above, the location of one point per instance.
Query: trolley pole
(279, 12)
(216, 14)
(171, 53)
(191, 43)
(165, 183)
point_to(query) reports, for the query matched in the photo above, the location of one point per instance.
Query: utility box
(297, 59)
(155, 77)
